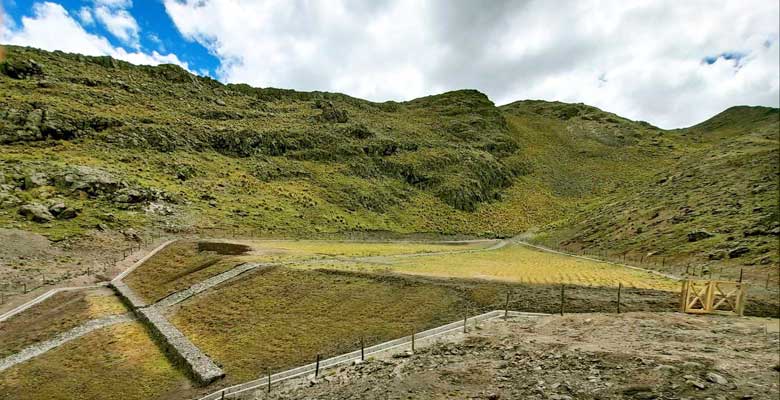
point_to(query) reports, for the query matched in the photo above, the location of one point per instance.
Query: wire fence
(564, 300)
(765, 277)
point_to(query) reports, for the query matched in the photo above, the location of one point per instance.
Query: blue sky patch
(729, 55)
(157, 32)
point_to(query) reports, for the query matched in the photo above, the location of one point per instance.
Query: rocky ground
(584, 356)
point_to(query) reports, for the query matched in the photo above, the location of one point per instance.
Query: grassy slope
(270, 162)
(725, 182)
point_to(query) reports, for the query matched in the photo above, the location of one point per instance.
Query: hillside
(97, 153)
(715, 200)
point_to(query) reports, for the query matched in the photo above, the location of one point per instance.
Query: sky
(669, 62)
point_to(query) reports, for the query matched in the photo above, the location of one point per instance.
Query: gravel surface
(585, 356)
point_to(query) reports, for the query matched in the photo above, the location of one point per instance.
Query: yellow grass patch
(118, 362)
(516, 263)
(284, 250)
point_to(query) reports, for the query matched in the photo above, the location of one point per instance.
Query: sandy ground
(582, 356)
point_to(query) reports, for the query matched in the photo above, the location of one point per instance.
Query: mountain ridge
(148, 149)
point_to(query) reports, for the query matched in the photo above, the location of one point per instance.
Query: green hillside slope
(715, 200)
(92, 144)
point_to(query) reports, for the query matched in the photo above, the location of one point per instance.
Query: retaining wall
(200, 366)
(203, 369)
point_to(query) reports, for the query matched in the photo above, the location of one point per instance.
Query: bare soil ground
(583, 356)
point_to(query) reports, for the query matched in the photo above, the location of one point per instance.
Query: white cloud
(85, 15)
(52, 28)
(648, 54)
(119, 22)
(115, 3)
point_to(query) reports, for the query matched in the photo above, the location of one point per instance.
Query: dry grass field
(282, 317)
(287, 250)
(516, 263)
(57, 314)
(120, 362)
(187, 262)
(180, 265)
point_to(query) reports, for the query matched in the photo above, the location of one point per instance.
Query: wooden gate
(713, 297)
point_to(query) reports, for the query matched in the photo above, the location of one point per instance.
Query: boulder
(738, 252)
(57, 208)
(330, 113)
(36, 212)
(92, 181)
(8, 200)
(35, 179)
(68, 213)
(697, 235)
(716, 378)
(131, 234)
(130, 196)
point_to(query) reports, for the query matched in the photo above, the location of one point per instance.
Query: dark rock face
(695, 236)
(738, 252)
(36, 122)
(21, 69)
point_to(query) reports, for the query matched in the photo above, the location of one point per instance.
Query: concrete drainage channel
(75, 333)
(201, 367)
(233, 391)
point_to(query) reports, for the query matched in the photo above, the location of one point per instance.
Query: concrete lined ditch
(75, 333)
(197, 363)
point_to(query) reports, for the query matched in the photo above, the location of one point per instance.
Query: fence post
(223, 395)
(684, 296)
(620, 286)
(465, 318)
(268, 370)
(362, 350)
(562, 298)
(317, 367)
(506, 306)
(413, 333)
(740, 275)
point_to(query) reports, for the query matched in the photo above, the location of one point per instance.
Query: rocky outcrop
(36, 212)
(695, 236)
(27, 123)
(21, 69)
(330, 113)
